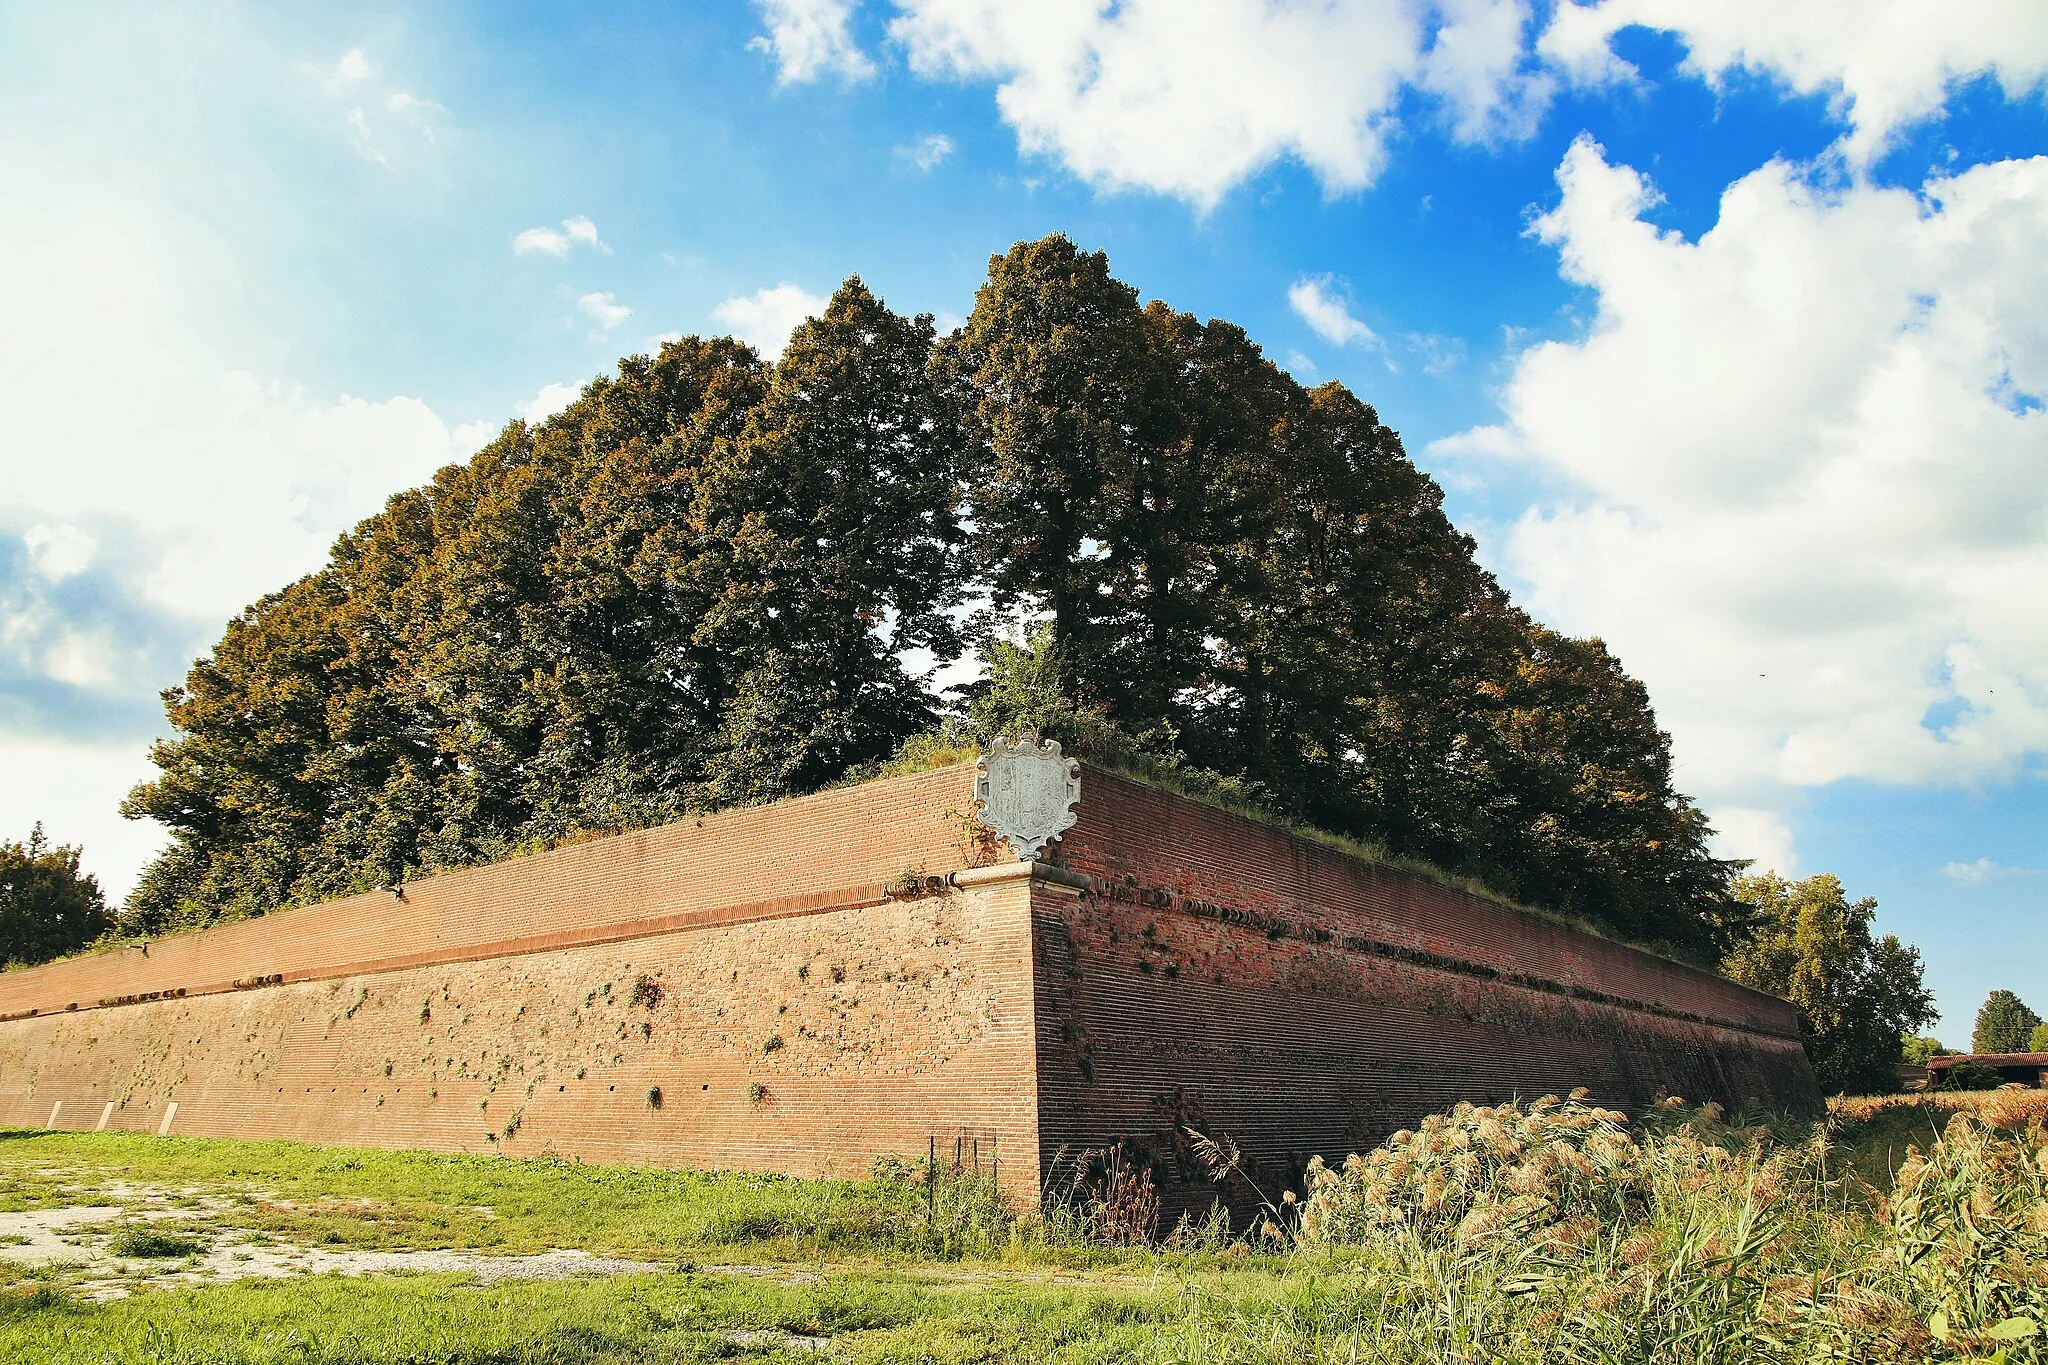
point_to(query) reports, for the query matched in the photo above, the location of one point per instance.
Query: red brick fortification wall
(806, 1008)
(836, 848)
(1225, 976)
(782, 1031)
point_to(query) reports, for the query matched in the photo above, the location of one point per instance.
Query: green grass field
(1545, 1233)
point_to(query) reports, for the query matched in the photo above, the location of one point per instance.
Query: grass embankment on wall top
(939, 750)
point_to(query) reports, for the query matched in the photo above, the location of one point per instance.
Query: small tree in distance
(1921, 1051)
(47, 908)
(1856, 994)
(2004, 1024)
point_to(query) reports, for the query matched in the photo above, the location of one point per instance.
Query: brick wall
(801, 1013)
(1228, 977)
(494, 1009)
(833, 848)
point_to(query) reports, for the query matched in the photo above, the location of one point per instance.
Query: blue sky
(1720, 323)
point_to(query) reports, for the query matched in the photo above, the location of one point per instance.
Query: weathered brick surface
(782, 858)
(1218, 975)
(1300, 1002)
(868, 1030)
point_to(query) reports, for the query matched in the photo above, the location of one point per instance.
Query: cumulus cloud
(556, 242)
(1981, 871)
(1884, 64)
(812, 38)
(927, 151)
(139, 515)
(551, 399)
(604, 309)
(1323, 302)
(182, 493)
(1806, 454)
(58, 552)
(1760, 837)
(83, 649)
(1190, 97)
(765, 318)
(352, 66)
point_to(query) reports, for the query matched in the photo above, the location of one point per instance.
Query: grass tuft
(141, 1240)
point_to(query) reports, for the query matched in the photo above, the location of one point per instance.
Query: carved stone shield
(1026, 792)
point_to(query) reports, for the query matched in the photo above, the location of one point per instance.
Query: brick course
(808, 1006)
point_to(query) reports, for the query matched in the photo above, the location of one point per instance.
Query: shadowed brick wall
(1228, 977)
(801, 1005)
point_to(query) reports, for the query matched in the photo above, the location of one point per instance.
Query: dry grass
(1559, 1230)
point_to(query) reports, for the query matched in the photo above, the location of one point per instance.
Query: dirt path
(71, 1245)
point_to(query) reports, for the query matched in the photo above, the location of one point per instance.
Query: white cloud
(1323, 303)
(1885, 64)
(812, 38)
(577, 231)
(765, 318)
(1440, 354)
(1806, 453)
(75, 792)
(551, 399)
(182, 494)
(223, 485)
(1981, 871)
(1476, 65)
(1191, 97)
(604, 309)
(352, 67)
(59, 552)
(370, 114)
(364, 140)
(927, 151)
(1760, 836)
(422, 114)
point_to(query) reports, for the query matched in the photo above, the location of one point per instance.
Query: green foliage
(697, 586)
(1969, 1076)
(47, 908)
(2004, 1024)
(688, 589)
(1243, 578)
(141, 1240)
(1856, 995)
(1920, 1051)
(1544, 1232)
(2038, 1041)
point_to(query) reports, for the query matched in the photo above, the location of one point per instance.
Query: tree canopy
(700, 584)
(1857, 995)
(2004, 1024)
(47, 908)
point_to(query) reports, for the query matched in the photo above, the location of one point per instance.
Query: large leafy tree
(827, 533)
(47, 907)
(701, 582)
(1856, 993)
(1255, 579)
(687, 588)
(2004, 1024)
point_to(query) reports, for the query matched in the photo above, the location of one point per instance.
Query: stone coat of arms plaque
(1026, 792)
